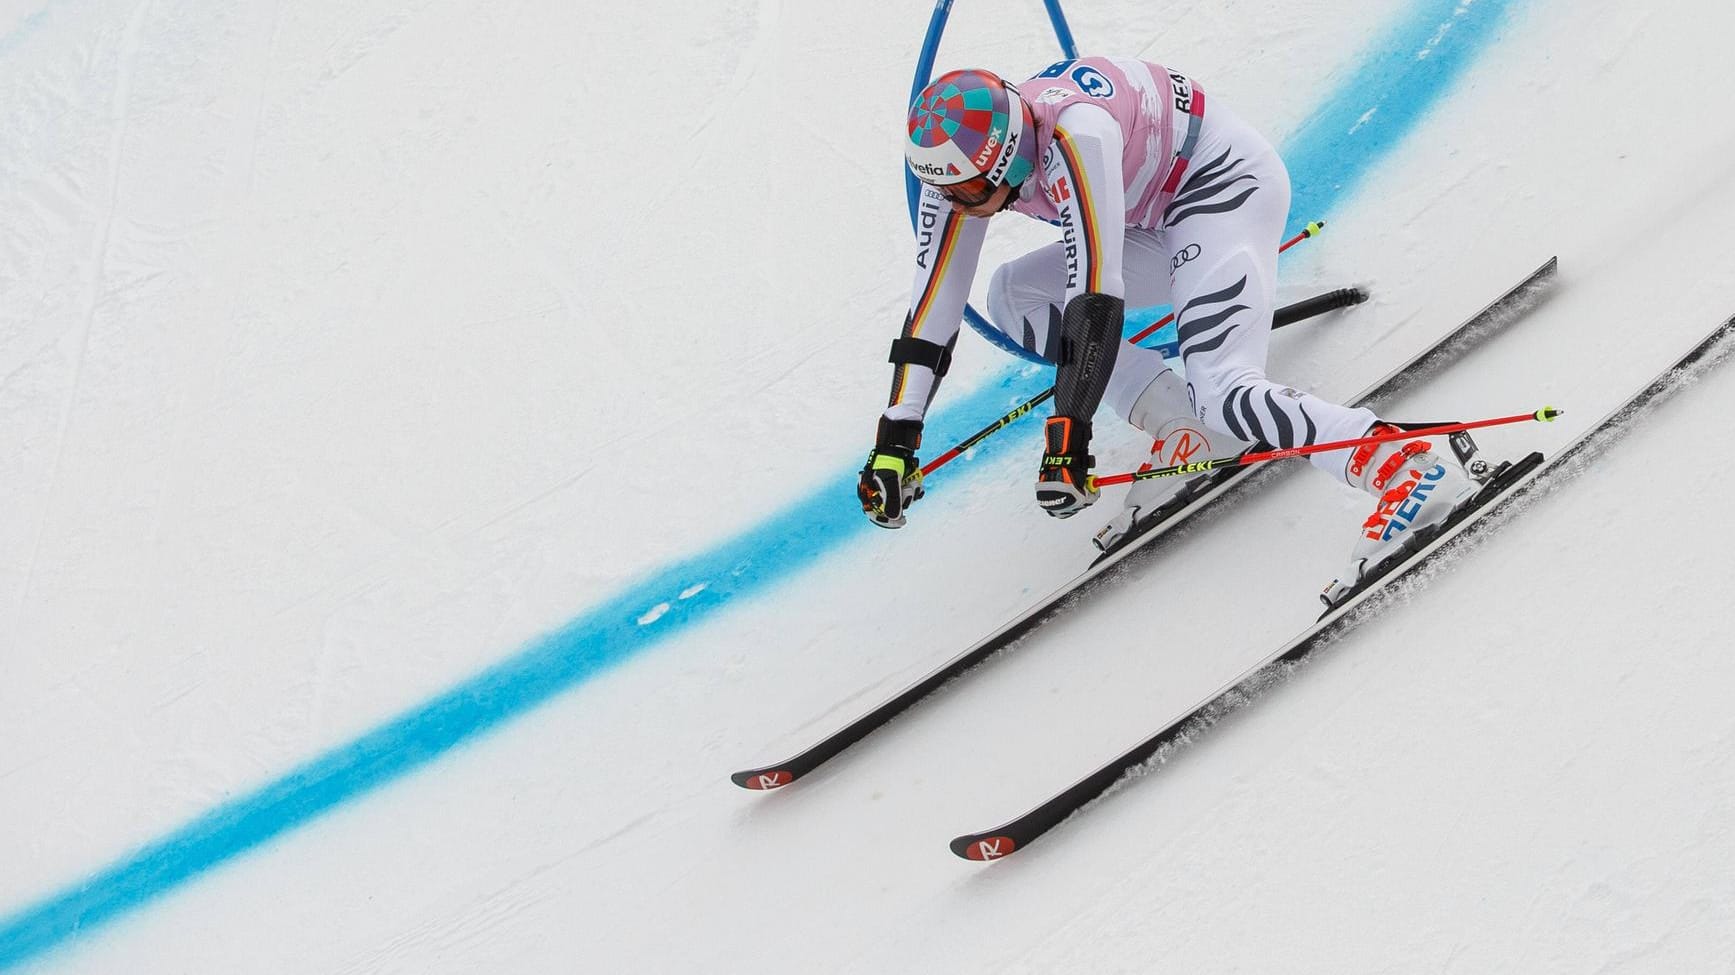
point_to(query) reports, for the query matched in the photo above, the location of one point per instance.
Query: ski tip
(762, 780)
(983, 848)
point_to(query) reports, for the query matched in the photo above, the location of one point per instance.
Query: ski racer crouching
(1161, 198)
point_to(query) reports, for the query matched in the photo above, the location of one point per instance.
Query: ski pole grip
(1317, 305)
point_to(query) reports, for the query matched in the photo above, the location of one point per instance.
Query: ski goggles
(972, 192)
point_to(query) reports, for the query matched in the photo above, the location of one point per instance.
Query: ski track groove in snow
(96, 261)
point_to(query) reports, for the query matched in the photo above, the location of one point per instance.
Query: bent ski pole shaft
(1545, 415)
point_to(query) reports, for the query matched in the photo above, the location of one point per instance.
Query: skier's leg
(1026, 297)
(1153, 397)
(1024, 301)
(1223, 231)
(1225, 225)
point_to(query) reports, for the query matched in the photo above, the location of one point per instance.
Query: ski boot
(1162, 411)
(1416, 486)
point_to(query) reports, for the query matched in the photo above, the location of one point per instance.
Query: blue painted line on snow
(1369, 113)
(1383, 100)
(25, 27)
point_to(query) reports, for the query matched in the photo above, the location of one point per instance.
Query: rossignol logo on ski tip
(992, 848)
(1400, 506)
(769, 780)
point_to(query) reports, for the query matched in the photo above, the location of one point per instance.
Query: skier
(1160, 198)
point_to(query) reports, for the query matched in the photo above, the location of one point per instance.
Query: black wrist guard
(905, 434)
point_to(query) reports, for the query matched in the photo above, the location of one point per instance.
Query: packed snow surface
(426, 435)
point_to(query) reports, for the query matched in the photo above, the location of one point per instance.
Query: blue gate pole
(924, 74)
(1062, 33)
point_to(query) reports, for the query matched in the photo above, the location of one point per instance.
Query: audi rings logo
(1190, 252)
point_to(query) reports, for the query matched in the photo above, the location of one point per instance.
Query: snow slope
(350, 349)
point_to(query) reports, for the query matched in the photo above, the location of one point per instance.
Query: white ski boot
(1416, 486)
(1163, 411)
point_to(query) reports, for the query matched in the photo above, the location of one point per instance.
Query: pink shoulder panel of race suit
(1159, 112)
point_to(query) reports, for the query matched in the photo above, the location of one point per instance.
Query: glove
(1063, 485)
(892, 478)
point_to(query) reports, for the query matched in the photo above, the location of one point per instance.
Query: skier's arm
(1082, 175)
(947, 248)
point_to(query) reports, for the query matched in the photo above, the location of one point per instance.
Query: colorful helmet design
(968, 124)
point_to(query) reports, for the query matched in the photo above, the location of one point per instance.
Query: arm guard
(908, 352)
(1090, 339)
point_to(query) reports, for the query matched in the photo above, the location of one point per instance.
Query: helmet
(971, 128)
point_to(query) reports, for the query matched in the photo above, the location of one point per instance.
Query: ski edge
(1511, 305)
(1017, 833)
(1516, 302)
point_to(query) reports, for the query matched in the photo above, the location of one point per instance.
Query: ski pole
(1287, 315)
(1311, 230)
(987, 431)
(1545, 415)
(1297, 310)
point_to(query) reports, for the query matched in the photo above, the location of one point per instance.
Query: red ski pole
(1545, 415)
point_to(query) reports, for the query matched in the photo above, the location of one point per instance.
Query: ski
(1506, 484)
(1500, 312)
(1200, 493)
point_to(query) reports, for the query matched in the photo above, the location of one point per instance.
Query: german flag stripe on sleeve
(898, 376)
(1091, 231)
(948, 245)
